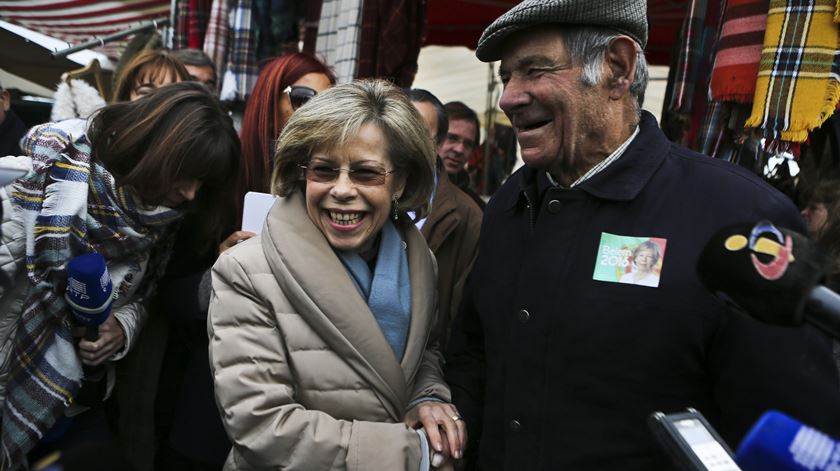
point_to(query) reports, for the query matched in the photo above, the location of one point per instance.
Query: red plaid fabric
(739, 50)
(392, 33)
(216, 38)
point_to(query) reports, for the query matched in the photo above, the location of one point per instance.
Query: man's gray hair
(587, 46)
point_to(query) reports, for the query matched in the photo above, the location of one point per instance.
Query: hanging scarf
(689, 58)
(388, 289)
(797, 88)
(70, 205)
(739, 50)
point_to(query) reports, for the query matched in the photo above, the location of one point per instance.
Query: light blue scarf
(388, 289)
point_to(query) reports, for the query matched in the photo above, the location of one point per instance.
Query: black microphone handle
(822, 310)
(92, 333)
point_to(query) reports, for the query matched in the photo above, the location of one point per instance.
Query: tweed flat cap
(625, 16)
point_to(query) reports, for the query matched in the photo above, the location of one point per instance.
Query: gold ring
(456, 418)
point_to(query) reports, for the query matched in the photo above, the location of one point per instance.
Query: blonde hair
(333, 117)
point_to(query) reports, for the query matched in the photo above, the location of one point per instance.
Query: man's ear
(621, 64)
(6, 98)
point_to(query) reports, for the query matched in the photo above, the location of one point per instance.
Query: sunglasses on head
(370, 175)
(299, 95)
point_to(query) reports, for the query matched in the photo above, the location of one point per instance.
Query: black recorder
(691, 442)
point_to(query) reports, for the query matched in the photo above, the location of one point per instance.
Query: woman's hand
(234, 239)
(433, 416)
(111, 339)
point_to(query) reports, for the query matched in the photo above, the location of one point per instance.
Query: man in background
(460, 142)
(12, 128)
(453, 224)
(199, 66)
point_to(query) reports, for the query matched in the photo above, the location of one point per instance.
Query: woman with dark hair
(284, 84)
(115, 185)
(146, 72)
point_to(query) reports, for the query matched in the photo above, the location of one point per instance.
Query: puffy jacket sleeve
(132, 317)
(255, 392)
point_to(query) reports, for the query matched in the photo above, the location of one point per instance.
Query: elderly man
(555, 363)
(12, 128)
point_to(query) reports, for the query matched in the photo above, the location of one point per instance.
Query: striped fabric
(241, 64)
(739, 50)
(215, 41)
(689, 57)
(77, 21)
(70, 205)
(797, 88)
(180, 38)
(339, 34)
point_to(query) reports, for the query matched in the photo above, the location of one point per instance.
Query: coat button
(523, 316)
(515, 426)
(554, 206)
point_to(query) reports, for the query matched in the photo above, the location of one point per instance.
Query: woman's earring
(396, 209)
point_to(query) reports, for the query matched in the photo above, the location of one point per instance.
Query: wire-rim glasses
(364, 176)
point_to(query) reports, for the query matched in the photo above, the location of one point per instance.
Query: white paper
(256, 210)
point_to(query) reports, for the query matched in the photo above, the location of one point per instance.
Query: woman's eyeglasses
(299, 95)
(365, 176)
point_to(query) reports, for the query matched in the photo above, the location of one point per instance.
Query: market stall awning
(78, 21)
(28, 54)
(460, 23)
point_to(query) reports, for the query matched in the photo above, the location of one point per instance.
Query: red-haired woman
(284, 84)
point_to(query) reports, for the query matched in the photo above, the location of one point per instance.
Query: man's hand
(111, 339)
(433, 416)
(234, 239)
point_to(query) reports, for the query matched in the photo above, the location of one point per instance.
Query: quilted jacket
(303, 375)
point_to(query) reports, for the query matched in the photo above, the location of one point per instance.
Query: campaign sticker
(631, 260)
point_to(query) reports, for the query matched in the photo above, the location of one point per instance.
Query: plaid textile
(197, 21)
(216, 39)
(739, 50)
(180, 37)
(70, 206)
(277, 27)
(241, 69)
(690, 54)
(339, 33)
(797, 88)
(392, 31)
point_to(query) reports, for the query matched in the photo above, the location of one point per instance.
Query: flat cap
(625, 16)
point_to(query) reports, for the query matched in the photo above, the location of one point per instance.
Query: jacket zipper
(530, 207)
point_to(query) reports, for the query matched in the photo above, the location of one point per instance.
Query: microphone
(89, 292)
(89, 295)
(771, 273)
(781, 443)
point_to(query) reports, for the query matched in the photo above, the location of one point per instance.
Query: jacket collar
(622, 180)
(317, 284)
(444, 208)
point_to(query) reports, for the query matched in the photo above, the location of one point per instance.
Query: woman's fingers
(234, 239)
(111, 339)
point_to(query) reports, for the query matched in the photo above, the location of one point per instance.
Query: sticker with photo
(631, 260)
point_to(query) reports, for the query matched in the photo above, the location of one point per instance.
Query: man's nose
(513, 96)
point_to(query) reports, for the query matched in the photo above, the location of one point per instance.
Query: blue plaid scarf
(70, 205)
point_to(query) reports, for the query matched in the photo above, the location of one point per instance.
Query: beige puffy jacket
(304, 377)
